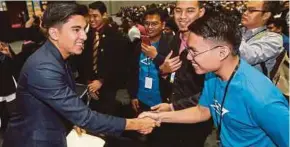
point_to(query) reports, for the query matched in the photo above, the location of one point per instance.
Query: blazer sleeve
(47, 83)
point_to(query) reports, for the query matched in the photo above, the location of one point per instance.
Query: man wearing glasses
(246, 107)
(260, 47)
(185, 84)
(146, 87)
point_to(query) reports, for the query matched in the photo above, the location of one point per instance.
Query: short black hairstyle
(156, 11)
(84, 9)
(99, 5)
(272, 6)
(58, 13)
(218, 27)
(201, 3)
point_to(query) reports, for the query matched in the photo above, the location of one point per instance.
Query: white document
(86, 140)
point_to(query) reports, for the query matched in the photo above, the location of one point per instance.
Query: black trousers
(107, 103)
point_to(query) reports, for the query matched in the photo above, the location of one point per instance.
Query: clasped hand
(146, 125)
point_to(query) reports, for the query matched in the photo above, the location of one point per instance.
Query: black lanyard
(148, 66)
(263, 30)
(223, 100)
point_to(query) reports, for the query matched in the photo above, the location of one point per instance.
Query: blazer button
(102, 50)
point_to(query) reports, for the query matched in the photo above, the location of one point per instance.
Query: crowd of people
(188, 66)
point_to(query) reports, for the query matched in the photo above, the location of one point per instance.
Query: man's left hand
(79, 130)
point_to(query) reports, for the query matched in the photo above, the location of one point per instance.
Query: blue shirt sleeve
(273, 118)
(204, 97)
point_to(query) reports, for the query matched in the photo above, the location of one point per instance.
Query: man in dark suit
(103, 64)
(46, 101)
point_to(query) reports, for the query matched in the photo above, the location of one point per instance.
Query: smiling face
(187, 12)
(203, 54)
(96, 18)
(70, 36)
(153, 25)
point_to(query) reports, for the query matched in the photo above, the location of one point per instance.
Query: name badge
(148, 82)
(172, 76)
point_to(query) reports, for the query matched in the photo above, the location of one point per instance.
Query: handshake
(144, 123)
(150, 119)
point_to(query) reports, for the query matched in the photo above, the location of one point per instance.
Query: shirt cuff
(171, 107)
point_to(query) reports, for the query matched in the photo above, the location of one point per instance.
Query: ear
(224, 52)
(163, 25)
(53, 33)
(201, 12)
(266, 16)
(105, 15)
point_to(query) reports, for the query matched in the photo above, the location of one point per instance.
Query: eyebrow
(186, 8)
(76, 27)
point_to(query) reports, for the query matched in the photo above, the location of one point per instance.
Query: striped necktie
(95, 51)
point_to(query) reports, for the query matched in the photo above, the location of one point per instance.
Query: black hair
(58, 13)
(218, 27)
(156, 11)
(84, 9)
(99, 5)
(201, 3)
(272, 6)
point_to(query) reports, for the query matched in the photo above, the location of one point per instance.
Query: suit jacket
(112, 58)
(47, 101)
(187, 85)
(7, 86)
(133, 81)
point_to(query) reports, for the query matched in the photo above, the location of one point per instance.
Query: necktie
(95, 51)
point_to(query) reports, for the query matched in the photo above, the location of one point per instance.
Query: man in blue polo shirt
(246, 107)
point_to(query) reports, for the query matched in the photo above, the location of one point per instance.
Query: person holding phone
(146, 87)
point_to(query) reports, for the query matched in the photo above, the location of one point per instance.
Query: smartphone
(145, 40)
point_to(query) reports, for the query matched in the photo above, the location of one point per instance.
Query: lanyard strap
(263, 30)
(223, 100)
(148, 66)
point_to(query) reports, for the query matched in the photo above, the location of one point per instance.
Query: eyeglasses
(153, 24)
(195, 54)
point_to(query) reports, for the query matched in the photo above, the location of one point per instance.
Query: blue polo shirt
(255, 113)
(150, 97)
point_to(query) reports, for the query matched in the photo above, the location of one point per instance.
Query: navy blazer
(46, 100)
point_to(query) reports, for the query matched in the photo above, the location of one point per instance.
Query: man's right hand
(135, 104)
(170, 65)
(95, 86)
(143, 125)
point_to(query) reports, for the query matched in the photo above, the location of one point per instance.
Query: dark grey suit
(47, 102)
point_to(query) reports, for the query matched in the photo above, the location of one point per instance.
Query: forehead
(255, 4)
(186, 4)
(76, 20)
(198, 43)
(94, 12)
(153, 17)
